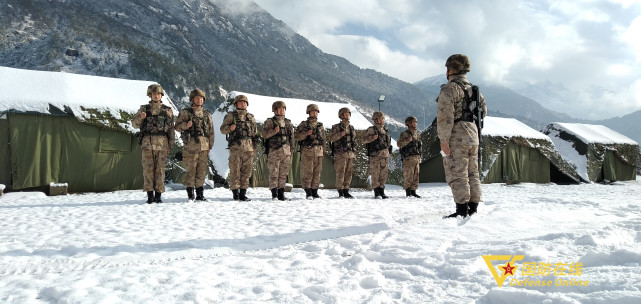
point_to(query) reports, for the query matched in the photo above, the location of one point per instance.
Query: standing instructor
(459, 136)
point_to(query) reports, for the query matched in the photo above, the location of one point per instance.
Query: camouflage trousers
(343, 164)
(462, 174)
(411, 168)
(195, 162)
(241, 163)
(278, 164)
(378, 169)
(154, 163)
(310, 167)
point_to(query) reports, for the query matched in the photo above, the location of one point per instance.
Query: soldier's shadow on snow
(213, 247)
(92, 204)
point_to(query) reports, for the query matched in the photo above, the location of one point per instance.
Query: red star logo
(507, 269)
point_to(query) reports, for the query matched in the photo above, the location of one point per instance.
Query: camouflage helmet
(458, 62)
(278, 104)
(197, 92)
(410, 119)
(155, 88)
(343, 111)
(312, 107)
(241, 98)
(378, 114)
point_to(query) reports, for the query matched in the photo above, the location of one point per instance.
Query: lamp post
(380, 99)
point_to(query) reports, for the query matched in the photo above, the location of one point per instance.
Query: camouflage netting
(504, 159)
(605, 161)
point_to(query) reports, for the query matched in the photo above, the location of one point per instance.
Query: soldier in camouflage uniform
(278, 133)
(459, 137)
(379, 148)
(342, 138)
(242, 135)
(197, 132)
(409, 143)
(310, 135)
(156, 123)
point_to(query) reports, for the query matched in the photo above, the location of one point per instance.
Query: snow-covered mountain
(192, 43)
(538, 105)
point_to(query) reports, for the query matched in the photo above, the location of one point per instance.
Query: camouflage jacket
(157, 129)
(317, 139)
(381, 146)
(450, 108)
(246, 132)
(200, 136)
(410, 143)
(343, 144)
(283, 139)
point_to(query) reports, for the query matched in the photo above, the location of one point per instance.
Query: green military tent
(69, 129)
(598, 152)
(511, 152)
(260, 107)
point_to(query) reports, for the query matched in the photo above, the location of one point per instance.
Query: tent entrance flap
(614, 169)
(517, 163)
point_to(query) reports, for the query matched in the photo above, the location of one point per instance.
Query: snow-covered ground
(112, 248)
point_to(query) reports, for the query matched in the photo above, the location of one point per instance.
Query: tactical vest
(244, 129)
(412, 148)
(281, 138)
(347, 142)
(382, 142)
(316, 139)
(160, 124)
(200, 127)
(468, 104)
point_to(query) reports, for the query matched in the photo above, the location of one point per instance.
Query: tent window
(114, 141)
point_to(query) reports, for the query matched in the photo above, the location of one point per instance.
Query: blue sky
(588, 46)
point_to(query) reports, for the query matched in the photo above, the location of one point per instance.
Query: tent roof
(510, 127)
(594, 133)
(261, 107)
(37, 91)
(497, 132)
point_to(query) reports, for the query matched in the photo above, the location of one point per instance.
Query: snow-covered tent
(511, 152)
(260, 107)
(598, 152)
(67, 128)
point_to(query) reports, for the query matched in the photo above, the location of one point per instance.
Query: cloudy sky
(590, 47)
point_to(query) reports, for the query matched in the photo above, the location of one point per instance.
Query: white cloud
(583, 44)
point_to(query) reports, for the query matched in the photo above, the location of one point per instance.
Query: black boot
(308, 194)
(150, 197)
(190, 193)
(281, 194)
(199, 194)
(382, 192)
(413, 192)
(377, 193)
(461, 210)
(235, 193)
(408, 192)
(157, 199)
(340, 193)
(346, 194)
(242, 196)
(315, 193)
(472, 208)
(274, 193)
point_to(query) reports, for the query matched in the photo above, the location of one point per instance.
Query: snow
(113, 248)
(261, 107)
(510, 127)
(27, 90)
(594, 133)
